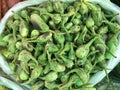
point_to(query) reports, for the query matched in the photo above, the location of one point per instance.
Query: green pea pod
(75, 29)
(45, 17)
(112, 46)
(64, 78)
(68, 63)
(73, 79)
(59, 38)
(51, 85)
(23, 76)
(68, 25)
(52, 24)
(38, 22)
(84, 77)
(23, 29)
(24, 66)
(26, 56)
(57, 67)
(81, 37)
(7, 54)
(84, 8)
(103, 30)
(68, 37)
(36, 72)
(37, 85)
(28, 46)
(19, 45)
(34, 34)
(71, 54)
(49, 6)
(38, 50)
(90, 22)
(47, 68)
(2, 42)
(25, 15)
(76, 21)
(42, 38)
(51, 76)
(52, 48)
(83, 50)
(66, 48)
(88, 66)
(58, 7)
(42, 59)
(114, 27)
(12, 67)
(6, 38)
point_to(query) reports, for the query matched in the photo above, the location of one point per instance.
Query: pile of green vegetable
(59, 45)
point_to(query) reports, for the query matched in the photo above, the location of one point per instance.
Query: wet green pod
(68, 25)
(24, 65)
(47, 68)
(38, 49)
(51, 85)
(71, 54)
(42, 59)
(19, 45)
(37, 85)
(73, 79)
(68, 63)
(12, 67)
(81, 37)
(49, 6)
(23, 29)
(6, 38)
(112, 45)
(75, 29)
(103, 30)
(113, 27)
(68, 37)
(11, 46)
(88, 66)
(34, 34)
(57, 67)
(76, 21)
(50, 77)
(52, 24)
(23, 76)
(28, 46)
(64, 78)
(42, 38)
(52, 48)
(45, 17)
(59, 38)
(25, 15)
(83, 50)
(58, 7)
(83, 9)
(26, 56)
(2, 42)
(90, 22)
(56, 18)
(7, 54)
(66, 48)
(36, 72)
(38, 23)
(83, 75)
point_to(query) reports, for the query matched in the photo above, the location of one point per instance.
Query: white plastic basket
(96, 78)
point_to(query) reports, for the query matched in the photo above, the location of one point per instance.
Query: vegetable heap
(59, 45)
